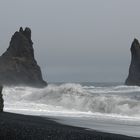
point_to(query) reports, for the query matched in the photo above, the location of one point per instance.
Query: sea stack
(18, 65)
(134, 69)
(1, 100)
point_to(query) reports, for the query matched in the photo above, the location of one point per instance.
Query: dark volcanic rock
(134, 69)
(18, 65)
(1, 100)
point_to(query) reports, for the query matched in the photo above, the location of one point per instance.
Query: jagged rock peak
(21, 29)
(27, 34)
(21, 44)
(18, 64)
(134, 69)
(135, 41)
(135, 44)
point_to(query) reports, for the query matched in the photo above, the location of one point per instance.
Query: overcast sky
(76, 40)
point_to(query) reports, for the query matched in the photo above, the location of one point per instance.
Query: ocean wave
(120, 100)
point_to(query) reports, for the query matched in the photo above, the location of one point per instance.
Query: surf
(71, 97)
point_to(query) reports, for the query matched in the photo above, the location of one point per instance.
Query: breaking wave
(119, 100)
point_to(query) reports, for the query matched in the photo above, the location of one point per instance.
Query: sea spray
(70, 97)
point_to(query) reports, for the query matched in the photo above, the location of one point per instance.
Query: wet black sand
(23, 127)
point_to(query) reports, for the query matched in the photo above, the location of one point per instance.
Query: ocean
(107, 107)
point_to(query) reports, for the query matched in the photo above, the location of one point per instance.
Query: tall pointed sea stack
(18, 65)
(134, 69)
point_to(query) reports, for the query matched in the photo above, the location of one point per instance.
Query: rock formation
(134, 69)
(18, 65)
(1, 100)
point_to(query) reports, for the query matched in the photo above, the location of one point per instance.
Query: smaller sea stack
(134, 69)
(1, 100)
(18, 65)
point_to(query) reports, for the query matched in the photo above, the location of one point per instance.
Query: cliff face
(134, 69)
(1, 100)
(18, 65)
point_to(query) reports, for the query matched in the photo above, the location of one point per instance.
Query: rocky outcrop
(134, 69)
(18, 65)
(1, 100)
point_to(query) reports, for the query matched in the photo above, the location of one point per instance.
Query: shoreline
(16, 126)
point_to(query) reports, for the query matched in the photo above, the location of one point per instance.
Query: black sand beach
(23, 127)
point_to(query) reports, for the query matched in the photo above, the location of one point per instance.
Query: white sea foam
(65, 98)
